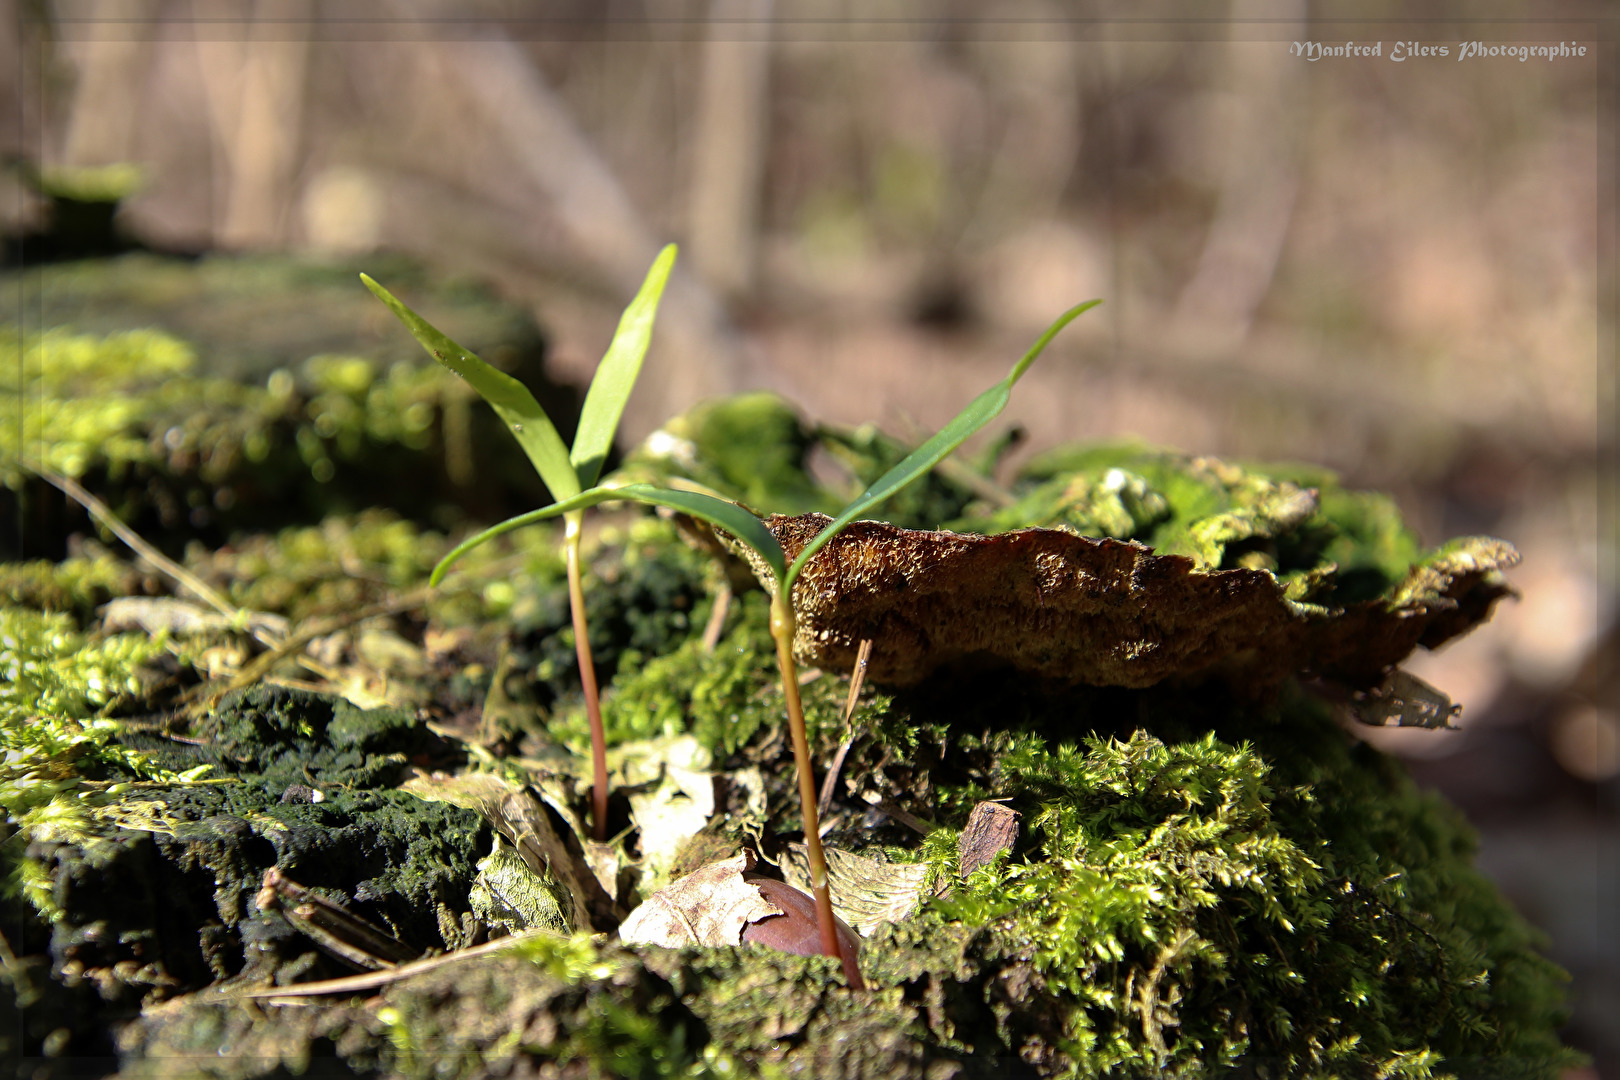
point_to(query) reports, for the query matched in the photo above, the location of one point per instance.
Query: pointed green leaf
(616, 375)
(727, 515)
(979, 412)
(509, 398)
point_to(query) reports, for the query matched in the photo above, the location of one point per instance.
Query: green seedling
(748, 528)
(567, 473)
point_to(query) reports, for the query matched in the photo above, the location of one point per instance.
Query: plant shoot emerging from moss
(565, 472)
(752, 531)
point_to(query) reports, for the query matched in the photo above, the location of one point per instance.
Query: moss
(1202, 885)
(756, 449)
(1327, 544)
(153, 892)
(165, 443)
(1265, 896)
(250, 315)
(55, 683)
(351, 561)
(505, 1017)
(75, 586)
(246, 404)
(1187, 906)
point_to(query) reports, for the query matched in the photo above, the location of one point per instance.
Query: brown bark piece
(991, 828)
(1106, 612)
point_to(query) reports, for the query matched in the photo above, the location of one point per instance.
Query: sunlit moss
(74, 585)
(1291, 520)
(724, 697)
(135, 413)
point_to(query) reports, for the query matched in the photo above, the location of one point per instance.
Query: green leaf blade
(616, 375)
(727, 515)
(979, 412)
(510, 399)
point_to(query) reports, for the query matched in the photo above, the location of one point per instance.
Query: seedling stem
(753, 532)
(572, 523)
(783, 627)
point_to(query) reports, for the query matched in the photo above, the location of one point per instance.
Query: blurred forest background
(1391, 268)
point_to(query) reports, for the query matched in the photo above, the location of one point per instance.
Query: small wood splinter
(863, 657)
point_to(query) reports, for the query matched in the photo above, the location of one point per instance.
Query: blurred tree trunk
(1245, 239)
(255, 92)
(732, 126)
(112, 62)
(699, 355)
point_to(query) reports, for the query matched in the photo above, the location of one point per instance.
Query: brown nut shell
(794, 931)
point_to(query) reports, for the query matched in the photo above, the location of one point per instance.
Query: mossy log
(1208, 877)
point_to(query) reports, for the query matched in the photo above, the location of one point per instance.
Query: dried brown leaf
(709, 906)
(866, 892)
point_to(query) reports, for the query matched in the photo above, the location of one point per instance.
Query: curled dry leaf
(727, 904)
(510, 898)
(1107, 612)
(866, 892)
(709, 906)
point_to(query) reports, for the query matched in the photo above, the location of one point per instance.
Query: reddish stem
(783, 626)
(587, 679)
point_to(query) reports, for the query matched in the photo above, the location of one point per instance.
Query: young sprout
(565, 472)
(749, 529)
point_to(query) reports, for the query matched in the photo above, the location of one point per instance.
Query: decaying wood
(1106, 612)
(334, 928)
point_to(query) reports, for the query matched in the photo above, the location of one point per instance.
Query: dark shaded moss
(263, 391)
(642, 597)
(499, 1017)
(153, 893)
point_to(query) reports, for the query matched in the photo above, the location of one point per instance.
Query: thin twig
(373, 980)
(185, 578)
(717, 618)
(909, 820)
(261, 665)
(863, 658)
